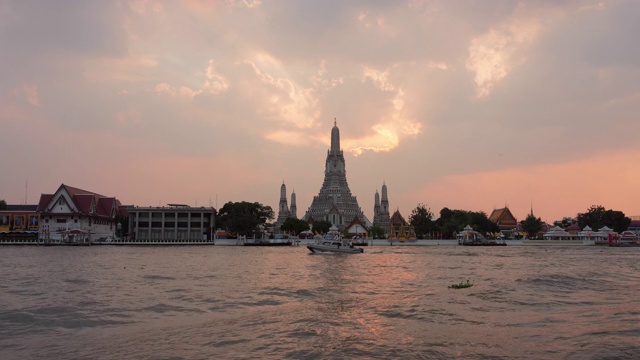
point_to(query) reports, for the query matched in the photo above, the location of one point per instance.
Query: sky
(470, 105)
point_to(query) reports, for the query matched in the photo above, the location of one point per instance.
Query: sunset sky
(470, 105)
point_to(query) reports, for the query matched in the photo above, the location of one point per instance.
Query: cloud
(379, 78)
(181, 92)
(493, 54)
(141, 7)
(254, 87)
(214, 84)
(284, 99)
(133, 68)
(128, 117)
(386, 135)
(294, 138)
(30, 92)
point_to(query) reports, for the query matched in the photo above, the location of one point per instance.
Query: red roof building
(504, 219)
(70, 208)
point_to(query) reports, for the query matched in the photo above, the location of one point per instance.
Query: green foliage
(124, 221)
(531, 225)
(3, 205)
(451, 221)
(565, 222)
(321, 226)
(421, 219)
(376, 232)
(243, 217)
(597, 217)
(295, 226)
(461, 285)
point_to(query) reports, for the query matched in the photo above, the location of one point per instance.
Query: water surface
(202, 302)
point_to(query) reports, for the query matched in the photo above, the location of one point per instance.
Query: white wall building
(74, 215)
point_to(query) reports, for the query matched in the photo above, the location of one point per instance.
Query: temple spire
(335, 138)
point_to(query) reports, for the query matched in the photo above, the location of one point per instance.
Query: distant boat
(333, 246)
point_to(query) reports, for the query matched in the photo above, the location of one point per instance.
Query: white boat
(333, 246)
(332, 243)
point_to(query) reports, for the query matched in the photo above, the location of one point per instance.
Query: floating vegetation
(461, 285)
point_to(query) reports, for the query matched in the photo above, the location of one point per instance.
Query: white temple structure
(335, 203)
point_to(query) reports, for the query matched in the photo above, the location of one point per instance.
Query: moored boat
(469, 237)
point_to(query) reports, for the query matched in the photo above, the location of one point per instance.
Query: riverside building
(76, 216)
(335, 203)
(175, 223)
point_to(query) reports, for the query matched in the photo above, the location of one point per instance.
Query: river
(204, 302)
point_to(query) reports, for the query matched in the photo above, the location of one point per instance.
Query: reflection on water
(390, 302)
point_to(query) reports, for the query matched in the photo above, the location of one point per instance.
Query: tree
(3, 205)
(532, 225)
(421, 219)
(243, 217)
(565, 222)
(376, 232)
(124, 223)
(597, 217)
(321, 226)
(481, 223)
(451, 221)
(293, 225)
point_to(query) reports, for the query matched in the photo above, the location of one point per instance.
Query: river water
(190, 302)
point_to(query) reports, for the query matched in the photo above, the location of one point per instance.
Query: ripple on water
(157, 277)
(166, 308)
(561, 282)
(80, 282)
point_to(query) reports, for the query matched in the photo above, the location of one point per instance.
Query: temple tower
(376, 208)
(283, 208)
(381, 210)
(335, 203)
(384, 204)
(294, 208)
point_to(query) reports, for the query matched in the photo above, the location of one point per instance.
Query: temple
(400, 229)
(335, 203)
(504, 219)
(283, 209)
(381, 216)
